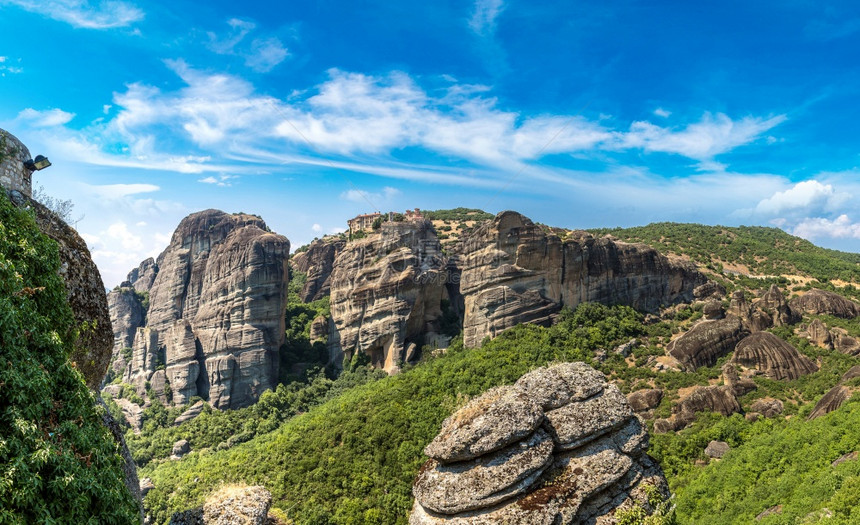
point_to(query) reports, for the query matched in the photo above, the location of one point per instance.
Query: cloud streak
(103, 14)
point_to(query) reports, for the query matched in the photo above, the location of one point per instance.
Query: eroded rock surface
(512, 272)
(318, 263)
(706, 342)
(773, 357)
(832, 400)
(720, 399)
(583, 463)
(232, 505)
(386, 292)
(819, 334)
(815, 302)
(215, 320)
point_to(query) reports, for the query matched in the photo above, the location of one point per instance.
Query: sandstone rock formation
(709, 290)
(126, 316)
(572, 454)
(643, 400)
(844, 343)
(716, 449)
(143, 277)
(512, 272)
(819, 334)
(318, 263)
(832, 400)
(767, 407)
(771, 309)
(215, 320)
(720, 399)
(386, 292)
(815, 302)
(237, 505)
(773, 357)
(706, 342)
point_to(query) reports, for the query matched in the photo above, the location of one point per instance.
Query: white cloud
(120, 247)
(261, 54)
(221, 180)
(711, 136)
(818, 227)
(316, 228)
(808, 198)
(118, 191)
(483, 21)
(101, 14)
(2, 59)
(45, 119)
(660, 112)
(387, 194)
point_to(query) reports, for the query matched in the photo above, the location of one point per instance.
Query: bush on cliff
(58, 463)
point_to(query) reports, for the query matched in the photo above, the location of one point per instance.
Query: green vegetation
(457, 215)
(58, 463)
(785, 463)
(764, 251)
(353, 459)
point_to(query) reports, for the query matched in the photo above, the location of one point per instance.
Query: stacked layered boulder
(559, 446)
(514, 272)
(215, 320)
(386, 293)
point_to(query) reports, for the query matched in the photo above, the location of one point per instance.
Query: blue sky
(578, 114)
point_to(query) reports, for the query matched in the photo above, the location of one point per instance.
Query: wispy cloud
(45, 119)
(483, 21)
(386, 195)
(103, 14)
(260, 54)
(703, 140)
(221, 180)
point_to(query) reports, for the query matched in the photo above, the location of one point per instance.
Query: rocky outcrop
(126, 316)
(215, 320)
(720, 399)
(771, 309)
(568, 450)
(844, 343)
(644, 400)
(717, 449)
(815, 302)
(819, 334)
(237, 505)
(709, 290)
(706, 342)
(512, 272)
(85, 292)
(386, 292)
(832, 400)
(773, 357)
(143, 277)
(317, 262)
(767, 407)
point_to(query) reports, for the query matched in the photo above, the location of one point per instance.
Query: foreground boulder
(575, 454)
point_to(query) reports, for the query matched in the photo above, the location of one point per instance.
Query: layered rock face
(719, 399)
(773, 357)
(215, 320)
(815, 302)
(771, 309)
(386, 293)
(706, 342)
(561, 446)
(318, 263)
(512, 272)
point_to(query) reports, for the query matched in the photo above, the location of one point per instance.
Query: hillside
(745, 250)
